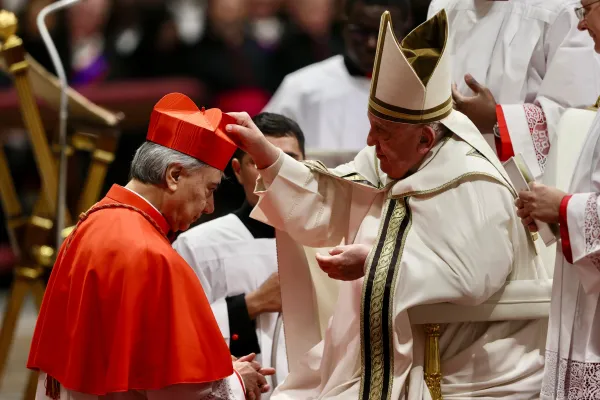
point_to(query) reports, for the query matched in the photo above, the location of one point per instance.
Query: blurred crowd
(232, 46)
(229, 45)
(238, 50)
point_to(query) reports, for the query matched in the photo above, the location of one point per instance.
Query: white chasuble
(446, 234)
(531, 56)
(573, 345)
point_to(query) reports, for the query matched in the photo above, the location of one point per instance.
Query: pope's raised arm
(293, 196)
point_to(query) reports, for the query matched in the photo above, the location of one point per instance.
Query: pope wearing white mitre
(431, 201)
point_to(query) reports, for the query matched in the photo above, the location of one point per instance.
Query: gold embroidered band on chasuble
(377, 306)
(412, 80)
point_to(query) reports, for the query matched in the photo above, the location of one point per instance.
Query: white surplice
(573, 345)
(531, 56)
(328, 104)
(460, 242)
(230, 388)
(229, 261)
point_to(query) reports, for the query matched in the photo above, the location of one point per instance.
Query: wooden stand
(31, 236)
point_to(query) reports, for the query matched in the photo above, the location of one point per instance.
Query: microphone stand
(61, 202)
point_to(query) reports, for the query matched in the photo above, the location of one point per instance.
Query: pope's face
(400, 148)
(591, 21)
(191, 195)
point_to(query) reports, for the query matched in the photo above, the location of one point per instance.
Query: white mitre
(412, 80)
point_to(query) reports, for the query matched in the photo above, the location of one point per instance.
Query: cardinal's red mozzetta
(123, 311)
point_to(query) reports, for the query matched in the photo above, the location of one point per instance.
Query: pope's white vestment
(446, 234)
(573, 345)
(328, 103)
(533, 59)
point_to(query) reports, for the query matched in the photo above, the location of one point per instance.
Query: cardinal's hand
(253, 375)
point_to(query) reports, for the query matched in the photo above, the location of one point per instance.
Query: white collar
(142, 197)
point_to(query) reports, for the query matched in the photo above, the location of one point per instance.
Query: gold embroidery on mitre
(422, 52)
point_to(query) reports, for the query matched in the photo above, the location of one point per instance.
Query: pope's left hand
(480, 109)
(541, 203)
(345, 263)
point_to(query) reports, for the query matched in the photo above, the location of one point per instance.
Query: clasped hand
(253, 375)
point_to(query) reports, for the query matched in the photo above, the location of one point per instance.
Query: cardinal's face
(191, 196)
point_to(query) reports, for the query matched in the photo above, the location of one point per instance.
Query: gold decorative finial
(8, 28)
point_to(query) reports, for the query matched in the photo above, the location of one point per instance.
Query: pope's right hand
(249, 138)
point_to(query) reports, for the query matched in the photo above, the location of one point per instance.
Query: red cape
(123, 311)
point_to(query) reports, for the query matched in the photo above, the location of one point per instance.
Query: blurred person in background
(87, 23)
(312, 34)
(230, 61)
(328, 98)
(236, 69)
(235, 258)
(79, 34)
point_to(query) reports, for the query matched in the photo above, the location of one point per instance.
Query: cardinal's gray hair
(151, 161)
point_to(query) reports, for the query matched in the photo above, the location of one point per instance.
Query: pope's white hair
(440, 130)
(151, 161)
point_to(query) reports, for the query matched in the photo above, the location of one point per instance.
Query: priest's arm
(580, 233)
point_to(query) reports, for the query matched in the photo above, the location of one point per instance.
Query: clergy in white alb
(528, 63)
(235, 259)
(328, 99)
(573, 345)
(436, 207)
